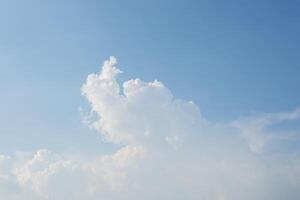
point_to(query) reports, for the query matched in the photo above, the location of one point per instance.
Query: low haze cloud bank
(167, 150)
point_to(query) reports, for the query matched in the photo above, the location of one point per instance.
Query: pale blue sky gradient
(229, 57)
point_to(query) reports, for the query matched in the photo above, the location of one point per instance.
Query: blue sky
(232, 58)
(226, 47)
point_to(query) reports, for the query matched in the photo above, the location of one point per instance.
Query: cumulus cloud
(167, 150)
(138, 112)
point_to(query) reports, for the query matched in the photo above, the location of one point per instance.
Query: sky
(94, 91)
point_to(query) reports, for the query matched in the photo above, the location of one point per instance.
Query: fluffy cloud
(141, 112)
(167, 150)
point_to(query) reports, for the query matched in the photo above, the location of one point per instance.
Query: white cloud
(255, 128)
(167, 150)
(141, 112)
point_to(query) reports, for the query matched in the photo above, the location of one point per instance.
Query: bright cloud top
(139, 112)
(167, 150)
